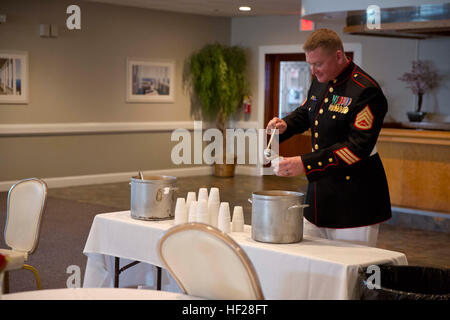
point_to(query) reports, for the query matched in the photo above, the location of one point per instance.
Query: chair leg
(6, 282)
(36, 274)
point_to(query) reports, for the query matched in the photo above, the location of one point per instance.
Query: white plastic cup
(181, 214)
(191, 196)
(202, 194)
(214, 195)
(237, 225)
(275, 164)
(213, 211)
(202, 211)
(224, 221)
(193, 212)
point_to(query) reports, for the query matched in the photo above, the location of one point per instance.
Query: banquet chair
(207, 263)
(25, 207)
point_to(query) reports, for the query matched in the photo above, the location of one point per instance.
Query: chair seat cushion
(16, 259)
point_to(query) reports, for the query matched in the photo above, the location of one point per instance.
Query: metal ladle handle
(270, 141)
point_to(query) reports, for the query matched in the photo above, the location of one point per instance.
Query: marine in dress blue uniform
(347, 182)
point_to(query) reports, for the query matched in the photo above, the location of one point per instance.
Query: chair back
(25, 206)
(205, 262)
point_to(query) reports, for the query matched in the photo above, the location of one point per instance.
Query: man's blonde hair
(327, 39)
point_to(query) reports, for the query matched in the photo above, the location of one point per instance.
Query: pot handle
(168, 189)
(250, 200)
(297, 206)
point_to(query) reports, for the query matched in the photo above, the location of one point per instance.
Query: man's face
(324, 66)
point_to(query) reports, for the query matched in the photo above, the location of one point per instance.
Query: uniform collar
(344, 74)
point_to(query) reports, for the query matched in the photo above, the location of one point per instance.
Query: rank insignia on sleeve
(346, 155)
(364, 119)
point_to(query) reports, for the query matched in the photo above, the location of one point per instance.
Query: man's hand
(290, 167)
(276, 123)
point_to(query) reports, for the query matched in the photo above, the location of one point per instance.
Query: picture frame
(14, 85)
(150, 81)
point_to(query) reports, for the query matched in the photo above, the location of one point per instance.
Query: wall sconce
(53, 31)
(44, 30)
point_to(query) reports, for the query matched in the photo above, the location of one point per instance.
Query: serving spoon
(268, 151)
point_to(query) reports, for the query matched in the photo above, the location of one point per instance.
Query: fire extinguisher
(247, 104)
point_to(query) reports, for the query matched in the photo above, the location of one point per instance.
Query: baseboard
(420, 219)
(247, 170)
(72, 181)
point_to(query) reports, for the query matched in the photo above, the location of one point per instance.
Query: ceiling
(222, 8)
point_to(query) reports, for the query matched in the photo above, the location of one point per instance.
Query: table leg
(116, 272)
(158, 278)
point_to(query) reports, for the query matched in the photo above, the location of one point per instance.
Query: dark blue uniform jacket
(347, 183)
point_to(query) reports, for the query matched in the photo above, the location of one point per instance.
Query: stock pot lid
(276, 194)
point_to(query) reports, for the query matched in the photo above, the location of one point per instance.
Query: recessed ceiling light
(245, 8)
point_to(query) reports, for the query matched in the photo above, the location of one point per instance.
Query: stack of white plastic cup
(181, 214)
(202, 211)
(213, 206)
(237, 225)
(224, 220)
(202, 194)
(191, 196)
(193, 212)
(214, 194)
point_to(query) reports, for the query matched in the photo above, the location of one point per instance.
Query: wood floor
(425, 248)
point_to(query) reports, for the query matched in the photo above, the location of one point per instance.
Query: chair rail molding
(31, 129)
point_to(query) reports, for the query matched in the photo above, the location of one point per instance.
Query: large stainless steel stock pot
(277, 216)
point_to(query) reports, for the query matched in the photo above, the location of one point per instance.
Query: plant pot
(225, 170)
(416, 116)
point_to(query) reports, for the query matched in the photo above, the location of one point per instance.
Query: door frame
(356, 48)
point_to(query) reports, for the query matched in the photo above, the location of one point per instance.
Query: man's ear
(340, 56)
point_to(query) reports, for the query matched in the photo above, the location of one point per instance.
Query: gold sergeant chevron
(364, 119)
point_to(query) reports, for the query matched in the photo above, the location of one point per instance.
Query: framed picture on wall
(13, 77)
(150, 81)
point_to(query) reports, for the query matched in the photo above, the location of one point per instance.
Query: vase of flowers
(420, 80)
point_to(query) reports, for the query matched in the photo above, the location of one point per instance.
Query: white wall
(80, 77)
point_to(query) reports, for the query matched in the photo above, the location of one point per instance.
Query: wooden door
(298, 144)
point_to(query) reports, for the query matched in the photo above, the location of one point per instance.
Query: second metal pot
(277, 216)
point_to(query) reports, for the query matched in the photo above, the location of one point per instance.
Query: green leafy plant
(215, 75)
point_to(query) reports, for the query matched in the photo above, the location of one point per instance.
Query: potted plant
(215, 76)
(421, 80)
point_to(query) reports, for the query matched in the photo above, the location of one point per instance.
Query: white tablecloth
(312, 269)
(96, 294)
